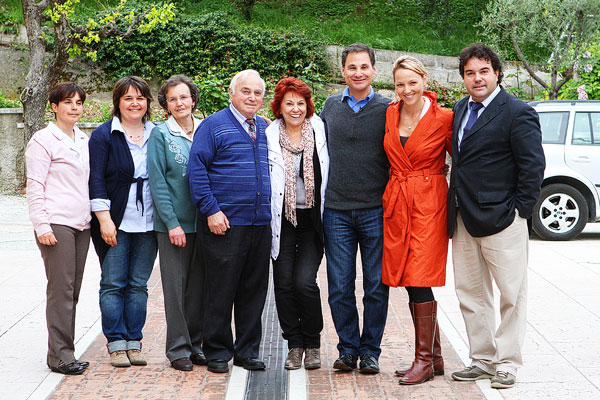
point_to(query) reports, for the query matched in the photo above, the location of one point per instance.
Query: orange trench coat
(415, 238)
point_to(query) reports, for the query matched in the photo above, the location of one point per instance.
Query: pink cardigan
(57, 179)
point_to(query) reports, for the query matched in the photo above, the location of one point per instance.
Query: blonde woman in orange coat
(415, 241)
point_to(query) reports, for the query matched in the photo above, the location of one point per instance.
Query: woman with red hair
(299, 164)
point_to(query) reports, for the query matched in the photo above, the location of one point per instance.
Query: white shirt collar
(238, 116)
(176, 130)
(74, 144)
(115, 125)
(488, 99)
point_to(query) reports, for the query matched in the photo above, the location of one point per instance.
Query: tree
(553, 32)
(69, 39)
(246, 7)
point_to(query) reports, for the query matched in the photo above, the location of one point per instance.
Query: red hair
(294, 85)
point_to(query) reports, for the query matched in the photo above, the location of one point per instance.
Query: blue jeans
(123, 289)
(344, 231)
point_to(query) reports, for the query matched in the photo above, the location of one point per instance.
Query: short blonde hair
(408, 62)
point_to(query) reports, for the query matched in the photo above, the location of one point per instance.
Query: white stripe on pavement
(462, 350)
(53, 379)
(297, 384)
(236, 388)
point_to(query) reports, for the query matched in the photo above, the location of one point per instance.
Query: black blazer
(500, 166)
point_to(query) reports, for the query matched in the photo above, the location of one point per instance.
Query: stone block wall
(442, 69)
(12, 147)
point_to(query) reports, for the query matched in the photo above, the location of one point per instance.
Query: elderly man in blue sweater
(228, 173)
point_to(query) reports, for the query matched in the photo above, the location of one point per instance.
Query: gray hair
(243, 75)
(174, 81)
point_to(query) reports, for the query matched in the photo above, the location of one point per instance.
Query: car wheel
(561, 213)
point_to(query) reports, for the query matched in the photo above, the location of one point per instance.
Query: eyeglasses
(182, 98)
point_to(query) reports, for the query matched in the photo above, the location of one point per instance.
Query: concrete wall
(12, 147)
(439, 68)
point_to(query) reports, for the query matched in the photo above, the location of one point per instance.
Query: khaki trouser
(503, 257)
(64, 263)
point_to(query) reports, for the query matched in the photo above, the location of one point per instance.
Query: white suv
(571, 187)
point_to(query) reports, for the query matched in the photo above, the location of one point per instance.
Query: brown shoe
(294, 358)
(312, 358)
(438, 360)
(135, 357)
(119, 359)
(425, 325)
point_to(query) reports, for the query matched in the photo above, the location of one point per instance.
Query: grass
(379, 23)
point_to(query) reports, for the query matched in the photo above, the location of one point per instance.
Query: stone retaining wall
(12, 147)
(442, 69)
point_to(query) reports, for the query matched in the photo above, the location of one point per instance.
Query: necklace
(135, 137)
(413, 125)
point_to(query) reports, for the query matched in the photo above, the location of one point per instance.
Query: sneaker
(368, 364)
(471, 373)
(346, 362)
(312, 358)
(503, 380)
(119, 359)
(294, 358)
(135, 357)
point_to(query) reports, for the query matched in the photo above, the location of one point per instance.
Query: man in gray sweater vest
(353, 216)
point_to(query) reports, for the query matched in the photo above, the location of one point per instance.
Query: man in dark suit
(497, 169)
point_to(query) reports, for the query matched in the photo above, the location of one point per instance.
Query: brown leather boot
(425, 326)
(438, 360)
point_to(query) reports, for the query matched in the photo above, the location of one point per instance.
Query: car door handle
(583, 159)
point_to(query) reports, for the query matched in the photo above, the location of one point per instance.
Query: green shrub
(194, 45)
(8, 103)
(212, 93)
(447, 96)
(588, 75)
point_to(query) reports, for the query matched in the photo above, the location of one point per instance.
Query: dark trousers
(64, 263)
(236, 277)
(182, 276)
(297, 294)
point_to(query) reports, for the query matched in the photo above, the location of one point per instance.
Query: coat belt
(404, 182)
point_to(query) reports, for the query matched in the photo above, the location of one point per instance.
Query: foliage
(423, 26)
(8, 103)
(95, 111)
(246, 7)
(555, 32)
(212, 42)
(212, 93)
(447, 96)
(587, 75)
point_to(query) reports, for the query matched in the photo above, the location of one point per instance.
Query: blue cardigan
(111, 176)
(229, 172)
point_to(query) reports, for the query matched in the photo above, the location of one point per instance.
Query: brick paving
(158, 380)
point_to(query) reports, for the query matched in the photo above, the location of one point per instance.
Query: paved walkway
(561, 349)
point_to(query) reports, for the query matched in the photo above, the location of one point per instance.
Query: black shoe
(182, 364)
(84, 364)
(218, 366)
(73, 368)
(368, 364)
(251, 364)
(199, 359)
(346, 362)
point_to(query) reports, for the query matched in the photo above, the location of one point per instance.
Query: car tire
(561, 213)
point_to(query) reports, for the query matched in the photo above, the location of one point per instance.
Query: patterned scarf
(288, 149)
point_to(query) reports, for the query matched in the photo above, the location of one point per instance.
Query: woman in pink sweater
(59, 207)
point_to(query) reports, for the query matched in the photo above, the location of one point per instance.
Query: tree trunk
(43, 74)
(35, 94)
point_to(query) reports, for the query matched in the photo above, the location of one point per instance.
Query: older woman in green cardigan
(175, 223)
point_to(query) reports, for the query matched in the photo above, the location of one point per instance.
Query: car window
(586, 130)
(554, 126)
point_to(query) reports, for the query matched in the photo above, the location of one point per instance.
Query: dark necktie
(251, 128)
(475, 107)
